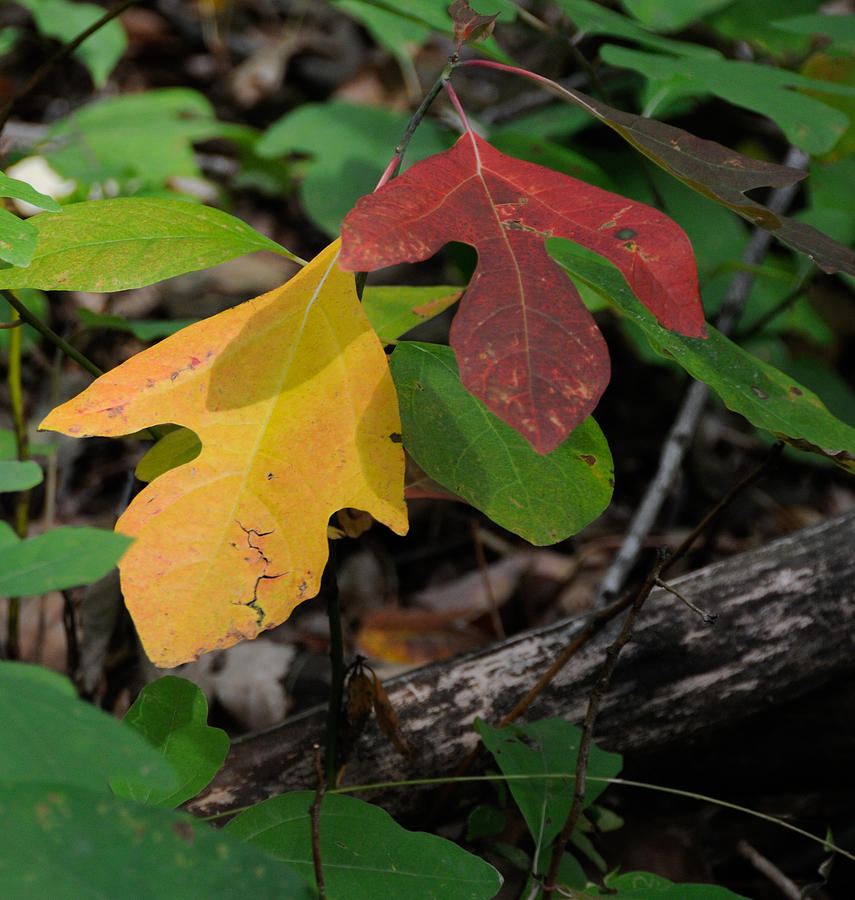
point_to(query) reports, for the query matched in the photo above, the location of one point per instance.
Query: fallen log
(786, 613)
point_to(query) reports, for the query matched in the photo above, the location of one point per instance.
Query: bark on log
(785, 628)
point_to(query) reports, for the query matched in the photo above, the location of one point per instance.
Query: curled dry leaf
(470, 27)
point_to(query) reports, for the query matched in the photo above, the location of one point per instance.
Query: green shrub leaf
(767, 397)
(544, 498)
(61, 558)
(51, 737)
(172, 714)
(539, 748)
(365, 853)
(67, 843)
(112, 245)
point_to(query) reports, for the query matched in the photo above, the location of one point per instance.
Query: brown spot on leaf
(761, 395)
(796, 392)
(625, 234)
(590, 460)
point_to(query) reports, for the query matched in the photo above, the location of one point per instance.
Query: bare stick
(315, 816)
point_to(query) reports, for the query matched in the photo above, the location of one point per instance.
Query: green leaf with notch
(172, 714)
(457, 441)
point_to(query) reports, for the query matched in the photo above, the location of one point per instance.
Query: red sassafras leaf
(525, 343)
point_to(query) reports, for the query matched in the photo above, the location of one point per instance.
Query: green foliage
(172, 714)
(808, 123)
(60, 558)
(348, 147)
(64, 835)
(670, 16)
(64, 20)
(538, 749)
(469, 450)
(17, 237)
(644, 886)
(763, 394)
(112, 245)
(134, 144)
(51, 738)
(366, 854)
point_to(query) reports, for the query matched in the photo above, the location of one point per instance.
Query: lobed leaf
(767, 397)
(112, 245)
(525, 343)
(365, 853)
(469, 450)
(172, 714)
(291, 398)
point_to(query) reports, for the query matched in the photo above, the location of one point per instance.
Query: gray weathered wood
(786, 616)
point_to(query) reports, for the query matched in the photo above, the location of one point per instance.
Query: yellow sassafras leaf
(291, 397)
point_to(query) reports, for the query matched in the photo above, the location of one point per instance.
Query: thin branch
(394, 166)
(315, 818)
(595, 700)
(329, 583)
(51, 335)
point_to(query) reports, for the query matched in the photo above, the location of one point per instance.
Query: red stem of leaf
(457, 105)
